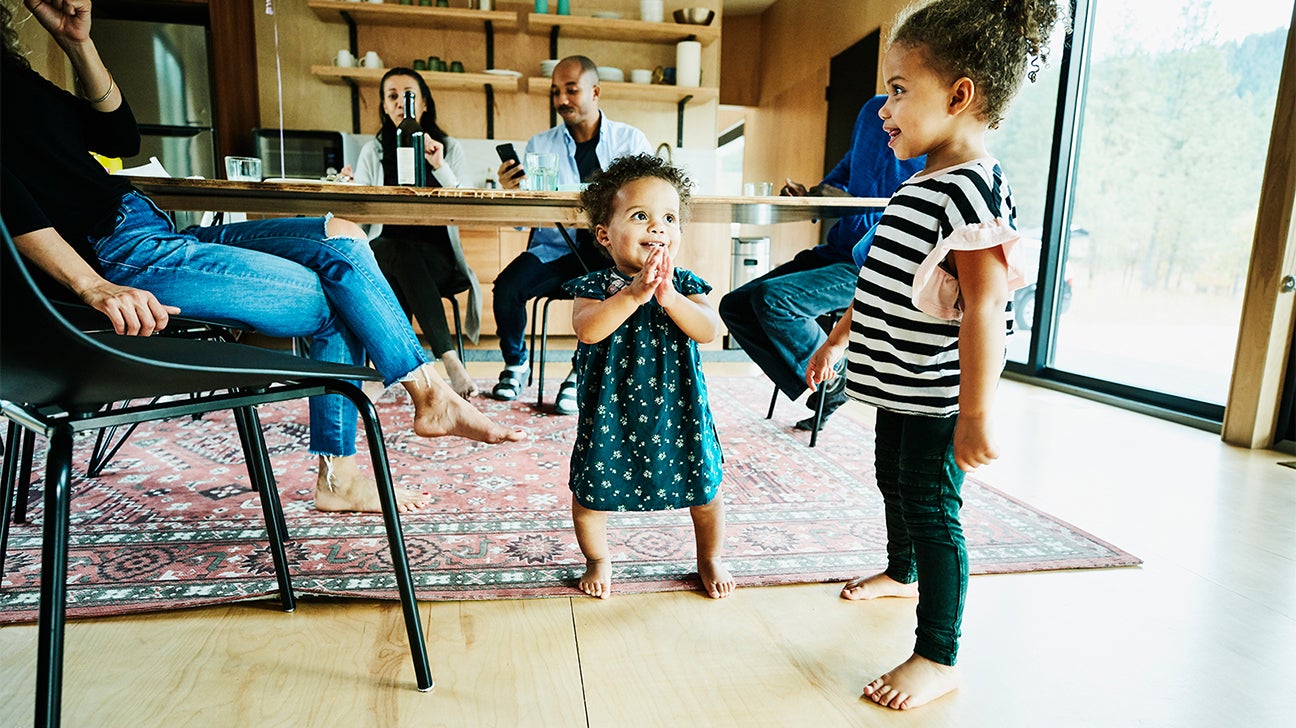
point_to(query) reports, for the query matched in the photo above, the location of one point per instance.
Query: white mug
(641, 75)
(371, 60)
(344, 59)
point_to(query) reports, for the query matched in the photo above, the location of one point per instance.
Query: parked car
(1024, 297)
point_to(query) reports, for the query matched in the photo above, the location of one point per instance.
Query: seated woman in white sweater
(423, 263)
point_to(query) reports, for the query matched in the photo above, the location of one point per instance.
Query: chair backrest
(306, 154)
(45, 360)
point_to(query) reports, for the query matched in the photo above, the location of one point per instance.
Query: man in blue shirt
(775, 317)
(585, 143)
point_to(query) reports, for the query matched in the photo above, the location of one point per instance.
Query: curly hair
(10, 49)
(989, 41)
(598, 198)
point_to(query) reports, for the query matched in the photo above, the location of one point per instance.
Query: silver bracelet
(111, 83)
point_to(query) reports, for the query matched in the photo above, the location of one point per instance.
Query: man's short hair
(586, 65)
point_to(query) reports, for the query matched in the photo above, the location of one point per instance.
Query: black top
(49, 178)
(586, 157)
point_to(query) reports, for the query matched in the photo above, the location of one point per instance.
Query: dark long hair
(10, 49)
(387, 132)
(428, 120)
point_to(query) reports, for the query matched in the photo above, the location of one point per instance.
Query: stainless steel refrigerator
(164, 71)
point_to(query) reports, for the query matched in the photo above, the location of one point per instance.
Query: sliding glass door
(1153, 215)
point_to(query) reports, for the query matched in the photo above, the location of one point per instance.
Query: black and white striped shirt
(899, 358)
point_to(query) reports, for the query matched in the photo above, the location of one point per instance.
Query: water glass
(541, 172)
(758, 189)
(243, 169)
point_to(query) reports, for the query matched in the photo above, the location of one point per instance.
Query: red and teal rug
(172, 522)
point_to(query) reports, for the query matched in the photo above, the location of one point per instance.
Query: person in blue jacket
(775, 317)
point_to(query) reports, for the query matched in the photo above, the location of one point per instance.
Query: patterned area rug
(172, 523)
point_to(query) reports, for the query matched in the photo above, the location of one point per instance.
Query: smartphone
(507, 153)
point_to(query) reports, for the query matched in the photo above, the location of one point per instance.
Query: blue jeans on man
(775, 318)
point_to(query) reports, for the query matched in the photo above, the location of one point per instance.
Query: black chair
(557, 294)
(827, 321)
(110, 439)
(55, 381)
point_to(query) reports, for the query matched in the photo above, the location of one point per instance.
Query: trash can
(750, 260)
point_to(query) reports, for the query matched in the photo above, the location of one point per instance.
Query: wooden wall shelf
(616, 91)
(391, 14)
(637, 31)
(435, 79)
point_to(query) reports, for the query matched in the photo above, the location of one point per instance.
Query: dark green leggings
(921, 487)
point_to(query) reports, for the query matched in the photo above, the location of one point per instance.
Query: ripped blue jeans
(283, 278)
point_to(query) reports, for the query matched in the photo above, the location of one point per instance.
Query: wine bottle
(409, 148)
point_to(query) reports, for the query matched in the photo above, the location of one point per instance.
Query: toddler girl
(924, 340)
(645, 438)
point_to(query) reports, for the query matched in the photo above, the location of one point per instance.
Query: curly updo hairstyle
(598, 198)
(988, 41)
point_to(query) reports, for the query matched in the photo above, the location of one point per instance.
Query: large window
(1174, 120)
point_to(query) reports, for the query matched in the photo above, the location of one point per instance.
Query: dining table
(458, 206)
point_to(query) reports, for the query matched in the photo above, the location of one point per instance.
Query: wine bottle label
(405, 165)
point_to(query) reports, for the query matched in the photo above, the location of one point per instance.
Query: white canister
(653, 11)
(688, 63)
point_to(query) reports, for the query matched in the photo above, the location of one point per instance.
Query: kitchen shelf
(435, 79)
(406, 16)
(638, 31)
(617, 91)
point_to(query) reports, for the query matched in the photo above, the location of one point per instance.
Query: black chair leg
(53, 580)
(544, 351)
(819, 413)
(8, 484)
(454, 308)
(773, 401)
(531, 352)
(395, 537)
(258, 465)
(24, 476)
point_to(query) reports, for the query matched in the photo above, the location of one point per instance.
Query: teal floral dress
(645, 437)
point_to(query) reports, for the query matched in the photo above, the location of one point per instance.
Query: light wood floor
(1204, 634)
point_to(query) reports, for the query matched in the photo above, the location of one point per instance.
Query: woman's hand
(67, 21)
(433, 152)
(133, 312)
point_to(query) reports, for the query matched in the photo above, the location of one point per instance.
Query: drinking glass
(541, 171)
(243, 169)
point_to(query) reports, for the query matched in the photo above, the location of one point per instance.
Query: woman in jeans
(110, 245)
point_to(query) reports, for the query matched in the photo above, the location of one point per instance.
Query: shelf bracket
(490, 44)
(553, 42)
(679, 120)
(354, 44)
(352, 40)
(490, 111)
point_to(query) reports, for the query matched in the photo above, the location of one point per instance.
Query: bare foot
(878, 585)
(717, 582)
(597, 579)
(917, 681)
(438, 412)
(460, 382)
(342, 486)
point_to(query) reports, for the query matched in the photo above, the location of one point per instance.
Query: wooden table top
(439, 206)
